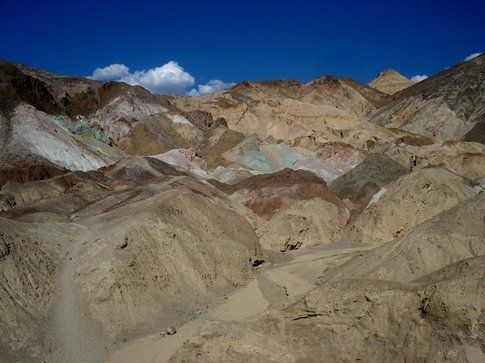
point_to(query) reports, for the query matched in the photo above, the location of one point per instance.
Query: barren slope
(448, 105)
(451, 236)
(133, 246)
(327, 108)
(346, 320)
(409, 201)
(367, 178)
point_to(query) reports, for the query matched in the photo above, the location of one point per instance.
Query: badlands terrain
(274, 221)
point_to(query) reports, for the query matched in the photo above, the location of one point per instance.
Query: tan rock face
(304, 224)
(390, 81)
(463, 158)
(121, 241)
(174, 245)
(28, 259)
(449, 237)
(409, 201)
(369, 295)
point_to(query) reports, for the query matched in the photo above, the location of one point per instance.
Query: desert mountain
(271, 221)
(326, 109)
(81, 124)
(448, 105)
(304, 224)
(420, 279)
(462, 157)
(390, 81)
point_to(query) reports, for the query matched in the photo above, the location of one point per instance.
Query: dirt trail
(295, 274)
(76, 335)
(299, 275)
(243, 303)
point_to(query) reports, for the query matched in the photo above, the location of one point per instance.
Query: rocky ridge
(272, 221)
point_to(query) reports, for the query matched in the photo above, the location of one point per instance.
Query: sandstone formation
(304, 224)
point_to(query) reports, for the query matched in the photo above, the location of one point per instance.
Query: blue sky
(239, 40)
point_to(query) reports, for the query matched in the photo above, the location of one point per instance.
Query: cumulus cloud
(471, 56)
(111, 72)
(418, 78)
(212, 86)
(168, 78)
(165, 79)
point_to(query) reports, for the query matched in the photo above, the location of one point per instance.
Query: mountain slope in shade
(448, 105)
(367, 178)
(390, 81)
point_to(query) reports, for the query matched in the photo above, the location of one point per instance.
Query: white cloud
(212, 86)
(471, 56)
(165, 79)
(111, 72)
(418, 78)
(193, 93)
(168, 78)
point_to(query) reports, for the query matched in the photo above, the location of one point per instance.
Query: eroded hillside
(271, 221)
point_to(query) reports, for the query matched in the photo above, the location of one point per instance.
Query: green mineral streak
(289, 156)
(76, 127)
(256, 161)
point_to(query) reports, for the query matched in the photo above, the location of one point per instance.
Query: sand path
(295, 275)
(76, 336)
(245, 302)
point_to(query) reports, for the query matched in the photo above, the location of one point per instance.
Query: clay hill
(274, 221)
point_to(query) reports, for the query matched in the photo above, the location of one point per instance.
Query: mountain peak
(390, 81)
(388, 72)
